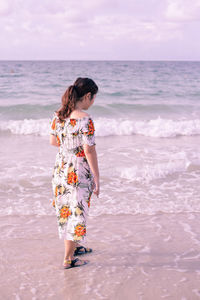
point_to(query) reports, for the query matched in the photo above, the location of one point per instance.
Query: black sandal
(84, 250)
(68, 264)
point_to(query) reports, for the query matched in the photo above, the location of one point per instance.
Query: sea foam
(151, 172)
(157, 128)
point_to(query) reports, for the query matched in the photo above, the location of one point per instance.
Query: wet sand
(136, 257)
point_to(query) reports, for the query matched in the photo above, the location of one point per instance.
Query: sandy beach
(134, 257)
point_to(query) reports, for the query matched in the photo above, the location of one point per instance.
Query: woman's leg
(69, 254)
(69, 249)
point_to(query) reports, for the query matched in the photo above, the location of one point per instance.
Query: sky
(99, 30)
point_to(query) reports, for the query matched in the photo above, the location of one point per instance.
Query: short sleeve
(53, 125)
(88, 132)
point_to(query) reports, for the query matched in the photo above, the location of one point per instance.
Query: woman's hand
(91, 156)
(54, 140)
(96, 187)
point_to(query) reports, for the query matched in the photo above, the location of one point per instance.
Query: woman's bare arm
(53, 140)
(91, 156)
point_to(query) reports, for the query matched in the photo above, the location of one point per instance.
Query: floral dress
(72, 180)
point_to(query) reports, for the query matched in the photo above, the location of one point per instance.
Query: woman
(76, 173)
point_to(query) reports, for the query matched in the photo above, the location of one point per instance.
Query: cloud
(94, 29)
(6, 7)
(183, 11)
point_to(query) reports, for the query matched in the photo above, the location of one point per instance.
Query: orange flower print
(58, 140)
(79, 231)
(53, 126)
(65, 212)
(56, 191)
(80, 152)
(59, 190)
(73, 122)
(91, 128)
(72, 178)
(53, 203)
(88, 200)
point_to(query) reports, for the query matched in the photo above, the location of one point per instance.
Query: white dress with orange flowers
(72, 181)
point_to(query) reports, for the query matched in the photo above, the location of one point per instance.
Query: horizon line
(104, 60)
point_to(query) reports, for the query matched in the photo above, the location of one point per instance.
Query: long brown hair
(73, 94)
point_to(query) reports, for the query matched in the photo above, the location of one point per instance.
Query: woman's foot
(74, 263)
(82, 250)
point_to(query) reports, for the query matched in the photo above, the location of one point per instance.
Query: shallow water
(139, 175)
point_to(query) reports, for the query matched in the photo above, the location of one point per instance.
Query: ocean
(147, 120)
(147, 126)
